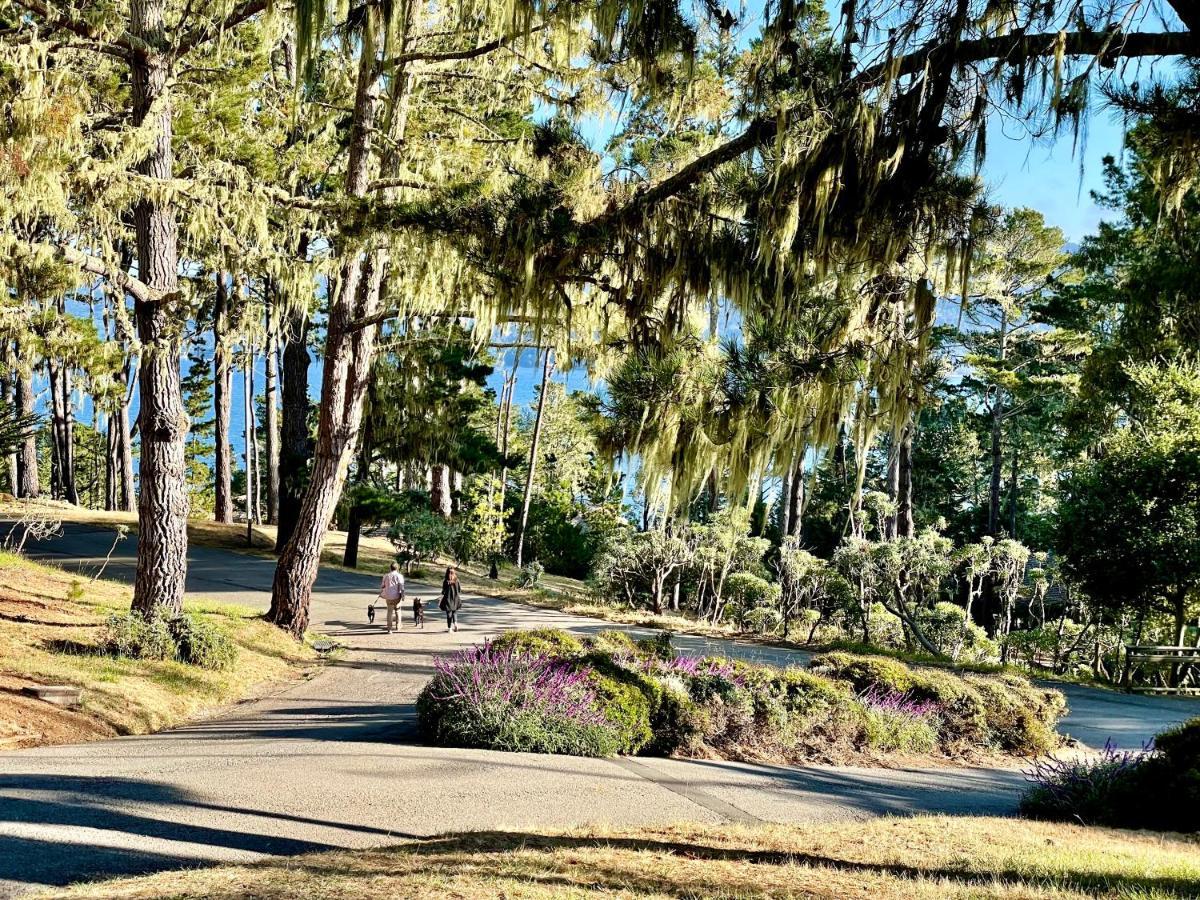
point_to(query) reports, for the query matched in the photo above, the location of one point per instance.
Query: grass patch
(885, 859)
(46, 638)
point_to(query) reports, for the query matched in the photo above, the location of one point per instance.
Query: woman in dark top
(451, 599)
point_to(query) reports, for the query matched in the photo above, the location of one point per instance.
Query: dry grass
(50, 619)
(883, 859)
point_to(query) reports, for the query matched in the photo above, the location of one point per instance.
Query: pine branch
(197, 36)
(94, 265)
(125, 44)
(1010, 48)
(440, 56)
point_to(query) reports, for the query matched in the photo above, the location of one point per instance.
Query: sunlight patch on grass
(883, 859)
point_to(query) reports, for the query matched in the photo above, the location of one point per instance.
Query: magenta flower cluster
(900, 703)
(484, 675)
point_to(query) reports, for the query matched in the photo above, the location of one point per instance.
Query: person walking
(451, 601)
(392, 592)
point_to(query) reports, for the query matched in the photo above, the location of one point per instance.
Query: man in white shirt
(392, 591)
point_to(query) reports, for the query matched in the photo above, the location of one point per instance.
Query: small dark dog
(418, 612)
(371, 613)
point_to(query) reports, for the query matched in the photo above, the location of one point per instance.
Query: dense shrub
(749, 597)
(137, 637)
(1158, 789)
(202, 644)
(505, 699)
(548, 691)
(897, 723)
(550, 641)
(613, 642)
(947, 627)
(627, 708)
(997, 712)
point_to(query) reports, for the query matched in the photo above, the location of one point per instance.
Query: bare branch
(440, 56)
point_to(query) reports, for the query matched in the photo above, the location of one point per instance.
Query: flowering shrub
(505, 699)
(896, 722)
(552, 692)
(1157, 787)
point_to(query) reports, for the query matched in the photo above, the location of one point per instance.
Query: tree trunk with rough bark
(248, 434)
(439, 491)
(294, 449)
(997, 449)
(7, 383)
(126, 496)
(222, 404)
(547, 367)
(905, 526)
(162, 419)
(28, 479)
(795, 505)
(271, 390)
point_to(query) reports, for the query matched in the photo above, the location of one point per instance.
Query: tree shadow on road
(55, 830)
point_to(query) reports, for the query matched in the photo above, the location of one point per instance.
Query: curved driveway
(333, 761)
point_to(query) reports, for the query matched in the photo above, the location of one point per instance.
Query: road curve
(334, 761)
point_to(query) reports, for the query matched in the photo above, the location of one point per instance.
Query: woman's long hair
(451, 576)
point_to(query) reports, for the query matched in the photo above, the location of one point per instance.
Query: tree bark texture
(162, 419)
(547, 367)
(248, 432)
(126, 498)
(905, 525)
(271, 424)
(294, 449)
(28, 479)
(222, 405)
(795, 504)
(439, 492)
(997, 439)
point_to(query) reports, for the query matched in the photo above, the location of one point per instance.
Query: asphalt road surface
(335, 761)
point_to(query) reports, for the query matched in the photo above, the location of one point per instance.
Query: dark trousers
(451, 618)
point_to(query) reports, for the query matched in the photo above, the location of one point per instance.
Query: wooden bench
(1185, 661)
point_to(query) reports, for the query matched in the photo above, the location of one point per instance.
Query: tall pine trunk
(294, 451)
(547, 366)
(997, 438)
(905, 526)
(28, 479)
(126, 499)
(349, 350)
(162, 420)
(271, 424)
(439, 490)
(248, 433)
(7, 383)
(795, 504)
(222, 405)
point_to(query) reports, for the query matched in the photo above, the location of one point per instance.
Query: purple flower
(897, 703)
(533, 681)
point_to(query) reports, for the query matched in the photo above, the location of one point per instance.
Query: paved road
(334, 761)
